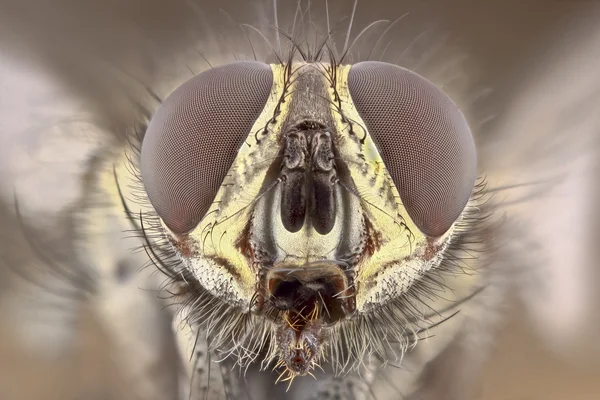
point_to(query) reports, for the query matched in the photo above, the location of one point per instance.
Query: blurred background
(524, 72)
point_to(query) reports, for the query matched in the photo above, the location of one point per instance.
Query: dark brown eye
(423, 139)
(193, 139)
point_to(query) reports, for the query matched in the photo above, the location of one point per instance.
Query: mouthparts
(304, 301)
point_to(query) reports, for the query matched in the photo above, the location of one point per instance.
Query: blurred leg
(126, 297)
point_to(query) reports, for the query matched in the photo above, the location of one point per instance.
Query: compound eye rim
(423, 138)
(194, 136)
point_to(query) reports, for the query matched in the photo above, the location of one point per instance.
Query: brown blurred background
(525, 72)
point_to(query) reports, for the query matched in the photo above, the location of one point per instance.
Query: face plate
(372, 234)
(308, 230)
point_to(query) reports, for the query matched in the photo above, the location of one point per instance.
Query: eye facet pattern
(194, 137)
(423, 139)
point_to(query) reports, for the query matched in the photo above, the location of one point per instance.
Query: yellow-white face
(308, 195)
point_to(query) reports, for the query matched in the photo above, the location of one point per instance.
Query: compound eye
(194, 137)
(423, 139)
